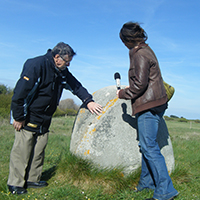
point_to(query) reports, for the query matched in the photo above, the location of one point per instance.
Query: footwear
(39, 184)
(151, 199)
(135, 189)
(167, 199)
(17, 190)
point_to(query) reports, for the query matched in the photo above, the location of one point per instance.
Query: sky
(29, 28)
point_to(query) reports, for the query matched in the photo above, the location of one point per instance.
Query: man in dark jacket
(36, 96)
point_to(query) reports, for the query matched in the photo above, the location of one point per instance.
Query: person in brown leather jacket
(149, 102)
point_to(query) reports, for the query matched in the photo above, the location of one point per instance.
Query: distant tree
(71, 112)
(174, 116)
(68, 104)
(59, 113)
(66, 107)
(168, 118)
(182, 119)
(5, 100)
(197, 121)
(4, 89)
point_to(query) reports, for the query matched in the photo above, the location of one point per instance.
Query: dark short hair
(63, 49)
(132, 32)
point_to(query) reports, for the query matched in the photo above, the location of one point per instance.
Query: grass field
(75, 179)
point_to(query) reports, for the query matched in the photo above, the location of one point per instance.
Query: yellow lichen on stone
(108, 105)
(94, 130)
(82, 110)
(87, 152)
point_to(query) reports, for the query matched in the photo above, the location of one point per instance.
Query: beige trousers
(27, 158)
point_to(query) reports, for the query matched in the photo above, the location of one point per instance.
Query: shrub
(59, 113)
(173, 116)
(71, 112)
(5, 100)
(168, 118)
(182, 119)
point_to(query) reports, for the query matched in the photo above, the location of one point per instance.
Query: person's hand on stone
(94, 107)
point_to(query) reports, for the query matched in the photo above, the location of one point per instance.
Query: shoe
(39, 184)
(17, 190)
(135, 189)
(172, 198)
(151, 199)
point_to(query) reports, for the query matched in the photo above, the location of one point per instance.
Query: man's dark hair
(63, 49)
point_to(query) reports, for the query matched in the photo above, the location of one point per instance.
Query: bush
(5, 100)
(173, 116)
(60, 113)
(71, 112)
(168, 118)
(182, 119)
(66, 107)
(197, 121)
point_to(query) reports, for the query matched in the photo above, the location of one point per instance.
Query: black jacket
(38, 91)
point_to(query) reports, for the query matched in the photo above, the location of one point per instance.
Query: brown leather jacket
(146, 89)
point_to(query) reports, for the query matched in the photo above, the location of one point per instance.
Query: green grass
(72, 178)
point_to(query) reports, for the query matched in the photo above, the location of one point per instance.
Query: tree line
(65, 107)
(5, 100)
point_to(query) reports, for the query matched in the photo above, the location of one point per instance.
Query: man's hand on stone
(94, 107)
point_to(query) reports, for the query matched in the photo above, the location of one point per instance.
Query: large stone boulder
(110, 139)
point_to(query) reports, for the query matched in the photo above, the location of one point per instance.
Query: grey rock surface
(110, 139)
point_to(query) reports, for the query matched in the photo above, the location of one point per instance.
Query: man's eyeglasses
(66, 61)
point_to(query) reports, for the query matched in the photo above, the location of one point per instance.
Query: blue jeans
(154, 174)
